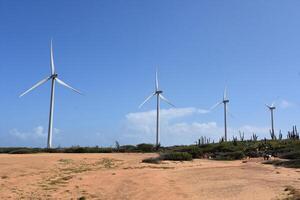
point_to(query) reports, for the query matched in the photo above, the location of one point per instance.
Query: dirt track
(123, 176)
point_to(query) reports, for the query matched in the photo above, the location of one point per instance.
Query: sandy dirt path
(123, 176)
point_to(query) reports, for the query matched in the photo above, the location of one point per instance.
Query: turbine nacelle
(271, 107)
(159, 92)
(225, 101)
(54, 76)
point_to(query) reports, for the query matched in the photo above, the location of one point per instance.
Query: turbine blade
(225, 94)
(36, 85)
(166, 100)
(273, 104)
(268, 106)
(147, 99)
(67, 86)
(52, 60)
(156, 81)
(216, 105)
(230, 113)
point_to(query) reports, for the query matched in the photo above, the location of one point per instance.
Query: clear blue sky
(110, 49)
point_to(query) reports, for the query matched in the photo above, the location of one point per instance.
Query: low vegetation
(176, 156)
(292, 193)
(173, 156)
(284, 163)
(285, 149)
(156, 160)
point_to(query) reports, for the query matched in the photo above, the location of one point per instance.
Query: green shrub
(156, 160)
(291, 155)
(128, 148)
(75, 150)
(177, 156)
(23, 151)
(78, 149)
(288, 163)
(145, 147)
(195, 151)
(230, 155)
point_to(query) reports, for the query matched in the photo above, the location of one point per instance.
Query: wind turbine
(54, 78)
(272, 108)
(159, 96)
(225, 101)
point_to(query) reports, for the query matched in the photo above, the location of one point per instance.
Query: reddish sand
(123, 176)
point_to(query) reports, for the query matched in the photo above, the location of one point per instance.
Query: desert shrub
(195, 151)
(77, 149)
(288, 163)
(156, 160)
(253, 154)
(145, 147)
(229, 155)
(56, 150)
(128, 148)
(225, 147)
(176, 156)
(23, 151)
(291, 163)
(291, 155)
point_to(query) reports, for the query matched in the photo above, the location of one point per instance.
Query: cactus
(273, 136)
(293, 135)
(234, 140)
(242, 136)
(254, 137)
(222, 139)
(280, 135)
(203, 140)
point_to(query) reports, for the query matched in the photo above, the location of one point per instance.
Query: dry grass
(4, 177)
(292, 193)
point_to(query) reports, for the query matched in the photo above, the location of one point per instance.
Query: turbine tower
(272, 108)
(225, 101)
(54, 78)
(159, 96)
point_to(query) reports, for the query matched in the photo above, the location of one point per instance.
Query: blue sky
(110, 50)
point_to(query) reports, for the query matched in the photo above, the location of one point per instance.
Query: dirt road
(123, 176)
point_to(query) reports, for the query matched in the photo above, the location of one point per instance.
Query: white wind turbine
(53, 78)
(159, 96)
(225, 101)
(272, 108)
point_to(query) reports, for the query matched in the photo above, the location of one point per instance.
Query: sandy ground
(123, 176)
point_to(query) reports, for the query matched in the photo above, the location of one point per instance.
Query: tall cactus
(293, 135)
(273, 136)
(254, 137)
(242, 136)
(203, 140)
(280, 135)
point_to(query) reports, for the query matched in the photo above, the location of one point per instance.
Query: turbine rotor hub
(54, 76)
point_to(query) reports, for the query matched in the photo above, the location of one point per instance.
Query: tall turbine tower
(225, 101)
(272, 108)
(53, 77)
(159, 96)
